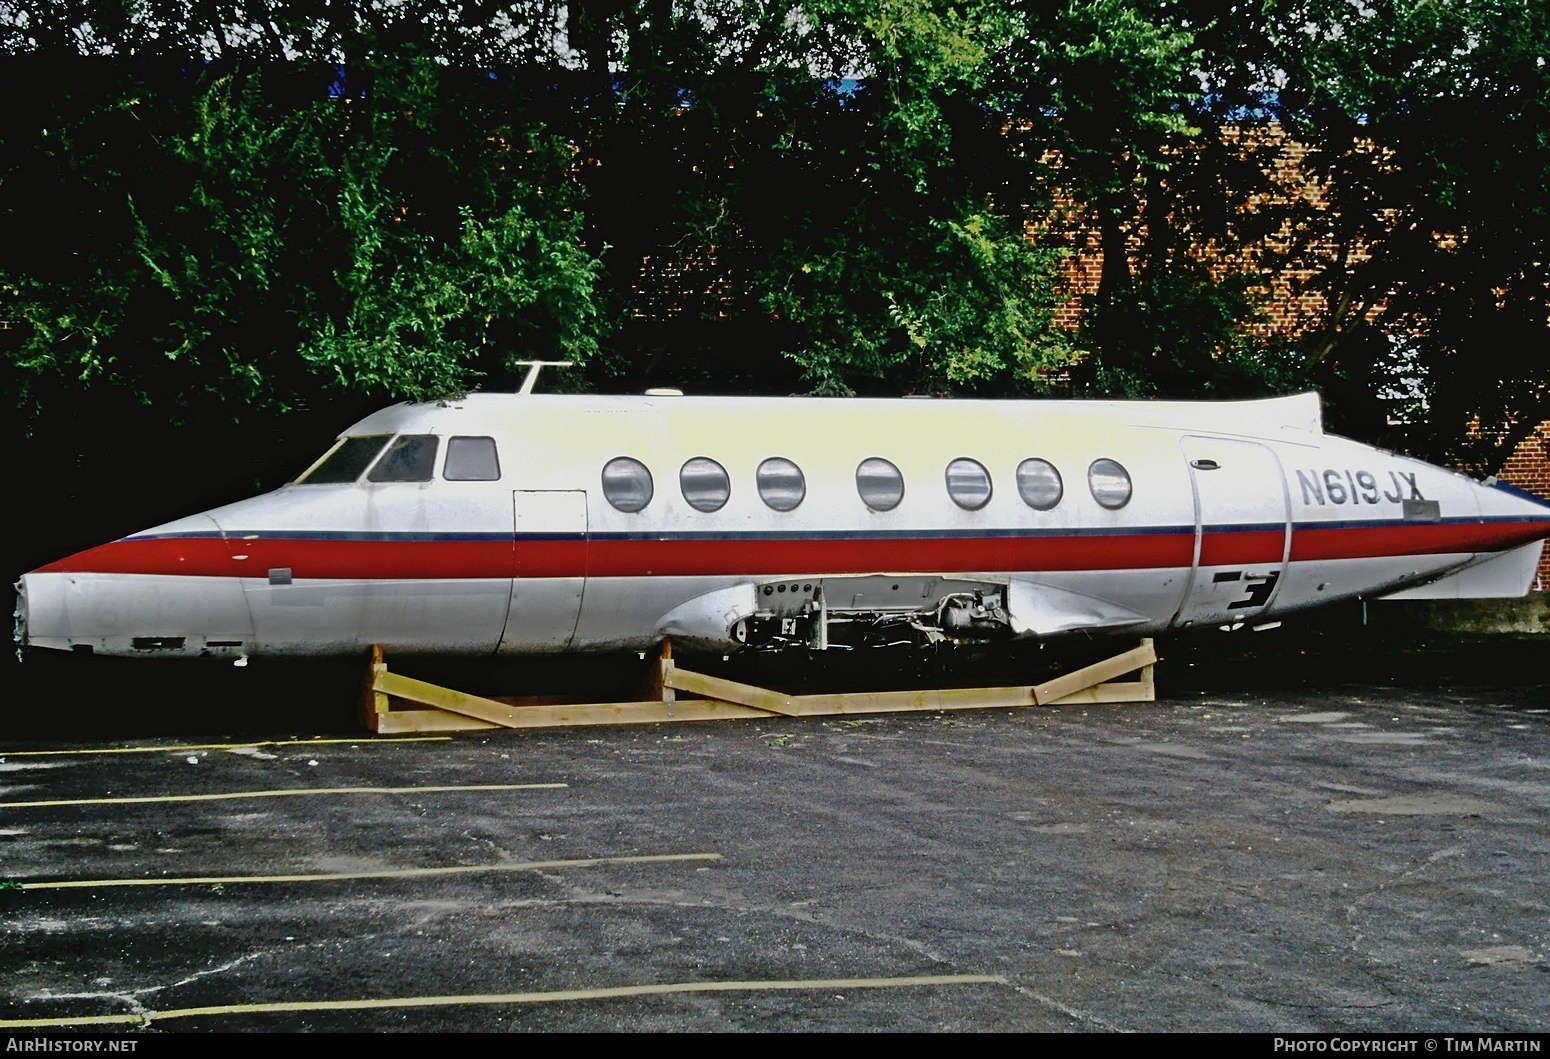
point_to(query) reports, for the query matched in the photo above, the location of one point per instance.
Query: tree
(241, 234)
(1112, 89)
(256, 200)
(911, 263)
(1431, 123)
(825, 187)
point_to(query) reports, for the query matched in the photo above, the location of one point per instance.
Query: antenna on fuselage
(534, 367)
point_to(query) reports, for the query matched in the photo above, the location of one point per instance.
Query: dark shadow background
(55, 696)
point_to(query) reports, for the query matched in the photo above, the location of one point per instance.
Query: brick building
(1291, 308)
(1529, 468)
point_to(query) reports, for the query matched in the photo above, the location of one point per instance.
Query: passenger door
(1242, 530)
(550, 571)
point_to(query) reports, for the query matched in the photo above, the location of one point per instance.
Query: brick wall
(1290, 308)
(1529, 468)
(1284, 261)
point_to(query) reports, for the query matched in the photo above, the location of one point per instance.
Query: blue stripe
(853, 534)
(1464, 520)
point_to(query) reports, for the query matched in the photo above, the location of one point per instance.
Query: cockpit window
(411, 458)
(471, 460)
(347, 460)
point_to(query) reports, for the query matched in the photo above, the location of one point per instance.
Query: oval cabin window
(1039, 484)
(626, 484)
(1110, 483)
(880, 484)
(705, 484)
(968, 483)
(780, 483)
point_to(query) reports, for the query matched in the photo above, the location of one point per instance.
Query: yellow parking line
(396, 873)
(550, 997)
(371, 741)
(281, 794)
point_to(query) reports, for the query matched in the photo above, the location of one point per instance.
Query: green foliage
(869, 227)
(1113, 87)
(273, 206)
(944, 305)
(919, 54)
(1432, 124)
(1115, 75)
(257, 239)
(1183, 334)
(426, 296)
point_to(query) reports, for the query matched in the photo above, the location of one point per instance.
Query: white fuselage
(775, 522)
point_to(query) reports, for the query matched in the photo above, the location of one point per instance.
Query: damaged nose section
(154, 593)
(40, 615)
(19, 615)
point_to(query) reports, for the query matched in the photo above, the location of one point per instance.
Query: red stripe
(351, 559)
(371, 560)
(861, 555)
(355, 559)
(1434, 538)
(1242, 548)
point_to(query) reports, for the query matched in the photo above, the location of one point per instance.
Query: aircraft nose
(19, 615)
(40, 615)
(163, 590)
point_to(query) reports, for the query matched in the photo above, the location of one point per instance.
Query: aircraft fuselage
(522, 524)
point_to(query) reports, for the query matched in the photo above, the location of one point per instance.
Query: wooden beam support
(727, 699)
(657, 687)
(582, 715)
(729, 691)
(1088, 676)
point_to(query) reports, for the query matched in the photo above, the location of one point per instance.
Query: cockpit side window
(345, 463)
(471, 460)
(411, 458)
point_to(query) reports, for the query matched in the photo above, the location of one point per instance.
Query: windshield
(411, 458)
(349, 457)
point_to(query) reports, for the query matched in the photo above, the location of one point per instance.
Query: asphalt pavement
(1328, 836)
